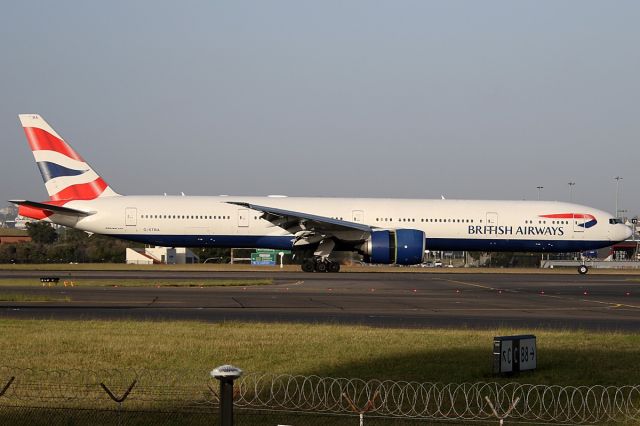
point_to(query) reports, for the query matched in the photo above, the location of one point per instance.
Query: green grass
(25, 297)
(565, 357)
(146, 282)
(212, 267)
(126, 267)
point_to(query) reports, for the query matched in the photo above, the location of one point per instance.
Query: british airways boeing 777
(387, 231)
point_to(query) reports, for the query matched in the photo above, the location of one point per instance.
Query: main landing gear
(320, 265)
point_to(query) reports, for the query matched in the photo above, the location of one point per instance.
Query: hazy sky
(475, 99)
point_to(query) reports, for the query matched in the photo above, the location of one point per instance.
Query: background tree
(41, 232)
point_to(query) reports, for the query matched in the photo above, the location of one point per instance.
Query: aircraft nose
(630, 232)
(627, 232)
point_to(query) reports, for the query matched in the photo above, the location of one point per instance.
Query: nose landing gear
(583, 269)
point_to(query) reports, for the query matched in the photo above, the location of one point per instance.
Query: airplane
(383, 231)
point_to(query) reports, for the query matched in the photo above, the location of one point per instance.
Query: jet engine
(397, 246)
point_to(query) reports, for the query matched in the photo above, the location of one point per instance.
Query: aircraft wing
(52, 208)
(307, 225)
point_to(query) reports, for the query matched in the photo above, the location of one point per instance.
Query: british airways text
(520, 230)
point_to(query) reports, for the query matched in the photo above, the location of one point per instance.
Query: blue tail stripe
(50, 170)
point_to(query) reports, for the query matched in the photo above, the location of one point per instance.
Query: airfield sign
(263, 258)
(512, 354)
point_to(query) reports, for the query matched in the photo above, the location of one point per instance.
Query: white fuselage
(448, 224)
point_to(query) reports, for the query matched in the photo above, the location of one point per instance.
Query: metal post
(539, 189)
(226, 374)
(226, 402)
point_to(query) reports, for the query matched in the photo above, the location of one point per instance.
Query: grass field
(295, 268)
(127, 282)
(564, 357)
(20, 297)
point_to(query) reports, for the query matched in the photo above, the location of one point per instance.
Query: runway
(595, 302)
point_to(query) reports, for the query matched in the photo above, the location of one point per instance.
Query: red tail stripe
(42, 140)
(83, 191)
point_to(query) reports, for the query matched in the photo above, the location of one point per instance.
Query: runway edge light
(512, 354)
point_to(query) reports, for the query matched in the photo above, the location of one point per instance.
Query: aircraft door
(131, 216)
(243, 218)
(492, 218)
(578, 224)
(357, 216)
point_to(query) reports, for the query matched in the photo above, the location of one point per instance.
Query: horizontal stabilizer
(52, 208)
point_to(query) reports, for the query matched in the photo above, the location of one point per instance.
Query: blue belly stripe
(286, 243)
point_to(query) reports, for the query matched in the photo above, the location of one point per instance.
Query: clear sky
(470, 99)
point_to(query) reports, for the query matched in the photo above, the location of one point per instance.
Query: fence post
(226, 374)
(4, 389)
(495, 412)
(371, 404)
(119, 399)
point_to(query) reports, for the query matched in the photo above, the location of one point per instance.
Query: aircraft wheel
(334, 267)
(583, 269)
(321, 266)
(308, 265)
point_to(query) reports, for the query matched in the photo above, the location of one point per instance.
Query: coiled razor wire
(465, 401)
(196, 391)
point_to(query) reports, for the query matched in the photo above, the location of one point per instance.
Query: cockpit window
(615, 220)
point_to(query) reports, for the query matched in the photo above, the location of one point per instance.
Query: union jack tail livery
(66, 175)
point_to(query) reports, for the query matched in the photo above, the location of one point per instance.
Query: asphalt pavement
(594, 302)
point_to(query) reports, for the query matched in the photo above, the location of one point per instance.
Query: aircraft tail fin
(65, 173)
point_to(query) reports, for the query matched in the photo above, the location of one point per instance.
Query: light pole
(539, 189)
(617, 179)
(623, 212)
(571, 185)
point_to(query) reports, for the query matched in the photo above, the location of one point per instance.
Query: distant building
(161, 255)
(21, 222)
(10, 235)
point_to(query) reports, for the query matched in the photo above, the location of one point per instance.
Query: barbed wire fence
(178, 397)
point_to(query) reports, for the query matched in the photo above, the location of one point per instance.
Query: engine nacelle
(399, 246)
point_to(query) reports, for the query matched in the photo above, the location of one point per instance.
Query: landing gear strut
(320, 265)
